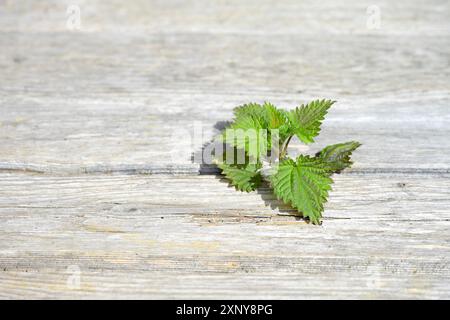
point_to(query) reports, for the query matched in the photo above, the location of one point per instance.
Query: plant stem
(284, 147)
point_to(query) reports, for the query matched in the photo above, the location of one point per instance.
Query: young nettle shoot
(254, 148)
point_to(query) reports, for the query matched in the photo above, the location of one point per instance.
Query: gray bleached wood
(384, 236)
(86, 119)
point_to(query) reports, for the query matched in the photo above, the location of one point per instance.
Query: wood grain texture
(230, 16)
(84, 108)
(96, 140)
(384, 236)
(117, 100)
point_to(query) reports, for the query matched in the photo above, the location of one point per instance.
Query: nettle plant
(254, 147)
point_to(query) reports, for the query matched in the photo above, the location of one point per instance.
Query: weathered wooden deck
(92, 204)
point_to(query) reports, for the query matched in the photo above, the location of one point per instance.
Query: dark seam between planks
(185, 170)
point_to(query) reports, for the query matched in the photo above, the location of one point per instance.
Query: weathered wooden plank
(161, 237)
(106, 99)
(231, 16)
(116, 113)
(111, 102)
(159, 191)
(365, 284)
(42, 123)
(105, 65)
(69, 136)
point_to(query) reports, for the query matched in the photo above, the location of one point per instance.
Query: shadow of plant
(264, 191)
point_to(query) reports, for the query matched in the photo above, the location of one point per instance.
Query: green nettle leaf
(244, 132)
(243, 177)
(306, 119)
(249, 131)
(303, 182)
(250, 109)
(252, 140)
(277, 119)
(338, 155)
